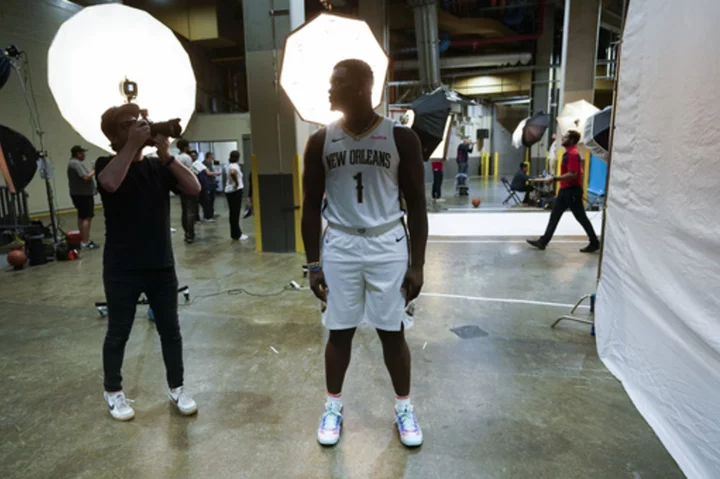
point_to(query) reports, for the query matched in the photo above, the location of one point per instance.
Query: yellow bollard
(547, 161)
(256, 202)
(486, 164)
(496, 170)
(560, 153)
(297, 200)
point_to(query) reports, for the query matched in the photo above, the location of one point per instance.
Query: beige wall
(31, 25)
(219, 127)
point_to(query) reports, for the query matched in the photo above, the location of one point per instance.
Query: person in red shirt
(570, 195)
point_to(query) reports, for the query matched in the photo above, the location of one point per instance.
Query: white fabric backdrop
(658, 311)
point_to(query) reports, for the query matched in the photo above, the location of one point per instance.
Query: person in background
(194, 155)
(437, 169)
(188, 202)
(234, 195)
(570, 195)
(138, 256)
(207, 183)
(81, 183)
(520, 182)
(213, 177)
(463, 155)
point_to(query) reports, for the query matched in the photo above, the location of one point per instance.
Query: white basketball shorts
(364, 275)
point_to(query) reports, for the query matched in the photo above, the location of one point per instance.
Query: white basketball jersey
(361, 176)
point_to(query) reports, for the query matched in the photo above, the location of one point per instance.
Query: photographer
(188, 203)
(138, 256)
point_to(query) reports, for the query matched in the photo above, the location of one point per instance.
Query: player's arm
(412, 186)
(313, 192)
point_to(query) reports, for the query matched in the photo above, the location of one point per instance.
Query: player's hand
(318, 285)
(412, 284)
(163, 147)
(139, 133)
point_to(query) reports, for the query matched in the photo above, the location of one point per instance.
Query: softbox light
(312, 51)
(431, 121)
(99, 47)
(18, 159)
(597, 133)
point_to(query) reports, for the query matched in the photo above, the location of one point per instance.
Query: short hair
(523, 165)
(360, 70)
(182, 144)
(108, 120)
(234, 157)
(574, 135)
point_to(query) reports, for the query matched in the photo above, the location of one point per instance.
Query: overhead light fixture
(312, 51)
(102, 51)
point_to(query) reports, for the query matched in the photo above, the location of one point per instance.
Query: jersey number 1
(359, 187)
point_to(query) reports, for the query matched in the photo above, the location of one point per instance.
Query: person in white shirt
(188, 203)
(234, 195)
(207, 181)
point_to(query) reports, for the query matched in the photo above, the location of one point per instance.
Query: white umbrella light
(314, 49)
(98, 48)
(574, 116)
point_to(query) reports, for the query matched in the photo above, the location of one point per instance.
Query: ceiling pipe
(474, 61)
(539, 30)
(426, 34)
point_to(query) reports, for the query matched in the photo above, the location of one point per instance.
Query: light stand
(45, 170)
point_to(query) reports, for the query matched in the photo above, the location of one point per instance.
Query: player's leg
(344, 311)
(385, 310)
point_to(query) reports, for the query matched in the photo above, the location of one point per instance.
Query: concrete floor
(519, 401)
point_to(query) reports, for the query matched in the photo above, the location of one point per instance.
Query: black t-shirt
(137, 217)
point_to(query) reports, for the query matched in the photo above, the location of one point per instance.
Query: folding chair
(511, 193)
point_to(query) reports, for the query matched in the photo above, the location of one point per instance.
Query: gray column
(428, 44)
(542, 85)
(274, 126)
(580, 36)
(374, 12)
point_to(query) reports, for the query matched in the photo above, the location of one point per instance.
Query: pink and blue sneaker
(330, 424)
(408, 428)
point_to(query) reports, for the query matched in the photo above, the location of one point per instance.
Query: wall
(505, 121)
(31, 25)
(219, 127)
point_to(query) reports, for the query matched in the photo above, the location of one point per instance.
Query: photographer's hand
(139, 134)
(163, 147)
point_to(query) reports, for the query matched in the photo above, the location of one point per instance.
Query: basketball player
(363, 163)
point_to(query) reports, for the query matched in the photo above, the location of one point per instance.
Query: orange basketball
(476, 202)
(16, 258)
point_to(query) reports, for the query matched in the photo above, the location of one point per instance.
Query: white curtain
(658, 311)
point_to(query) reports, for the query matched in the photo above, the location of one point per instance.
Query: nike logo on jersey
(397, 240)
(335, 140)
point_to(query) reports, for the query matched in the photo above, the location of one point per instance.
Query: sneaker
(210, 220)
(244, 237)
(537, 244)
(189, 240)
(408, 428)
(330, 424)
(118, 406)
(591, 248)
(91, 245)
(185, 404)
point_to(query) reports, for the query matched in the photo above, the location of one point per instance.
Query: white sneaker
(185, 404)
(330, 424)
(244, 237)
(118, 406)
(408, 428)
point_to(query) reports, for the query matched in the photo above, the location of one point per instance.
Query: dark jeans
(527, 189)
(189, 214)
(462, 167)
(571, 198)
(437, 184)
(208, 203)
(234, 205)
(122, 290)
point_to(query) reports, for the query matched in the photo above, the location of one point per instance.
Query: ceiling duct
(473, 61)
(428, 44)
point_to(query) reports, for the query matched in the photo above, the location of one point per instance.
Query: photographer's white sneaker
(185, 404)
(118, 406)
